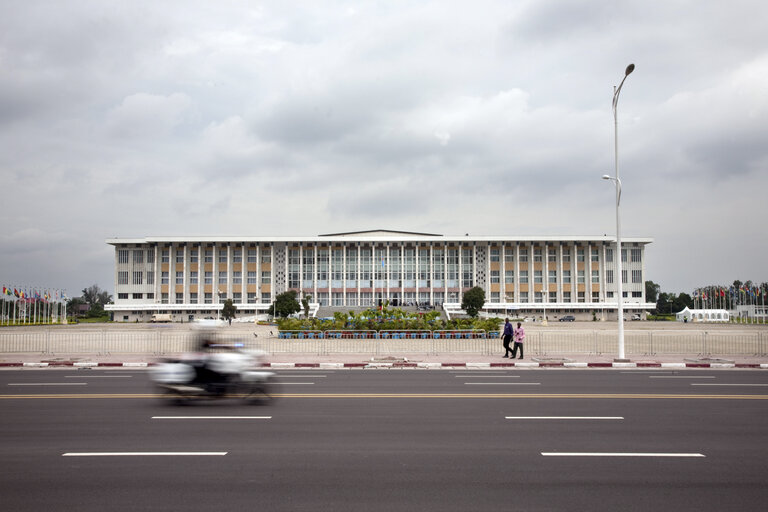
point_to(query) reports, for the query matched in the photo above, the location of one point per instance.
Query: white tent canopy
(703, 315)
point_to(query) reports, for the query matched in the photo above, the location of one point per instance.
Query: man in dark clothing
(507, 336)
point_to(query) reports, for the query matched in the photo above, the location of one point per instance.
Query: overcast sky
(196, 118)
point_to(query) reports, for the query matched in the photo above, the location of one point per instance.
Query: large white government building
(191, 277)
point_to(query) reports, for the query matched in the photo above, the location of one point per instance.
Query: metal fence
(539, 343)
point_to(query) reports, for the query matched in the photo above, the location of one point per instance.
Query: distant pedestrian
(507, 336)
(519, 338)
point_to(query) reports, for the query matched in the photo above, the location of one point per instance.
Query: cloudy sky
(145, 118)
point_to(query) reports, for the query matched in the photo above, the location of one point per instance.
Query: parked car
(567, 318)
(636, 317)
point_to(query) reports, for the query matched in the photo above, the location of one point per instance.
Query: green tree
(73, 306)
(96, 311)
(95, 295)
(665, 303)
(652, 291)
(229, 310)
(285, 304)
(683, 301)
(473, 301)
(305, 305)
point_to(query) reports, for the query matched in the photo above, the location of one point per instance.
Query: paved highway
(390, 440)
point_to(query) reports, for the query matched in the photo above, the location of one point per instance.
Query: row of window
(140, 255)
(124, 296)
(367, 254)
(551, 254)
(538, 297)
(178, 298)
(237, 278)
(395, 282)
(538, 276)
(138, 277)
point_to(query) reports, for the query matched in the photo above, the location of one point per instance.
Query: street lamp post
(617, 181)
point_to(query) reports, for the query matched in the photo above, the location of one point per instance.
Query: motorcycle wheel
(174, 398)
(260, 394)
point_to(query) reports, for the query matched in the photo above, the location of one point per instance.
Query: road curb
(395, 365)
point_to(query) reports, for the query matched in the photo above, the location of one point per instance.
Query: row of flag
(715, 292)
(31, 295)
(722, 297)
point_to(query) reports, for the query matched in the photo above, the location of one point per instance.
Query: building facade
(190, 278)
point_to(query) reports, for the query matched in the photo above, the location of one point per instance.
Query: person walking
(507, 336)
(519, 336)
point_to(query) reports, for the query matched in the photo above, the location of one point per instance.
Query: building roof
(376, 236)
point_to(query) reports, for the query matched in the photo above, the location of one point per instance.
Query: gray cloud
(189, 118)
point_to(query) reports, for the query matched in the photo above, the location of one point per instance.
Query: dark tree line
(94, 297)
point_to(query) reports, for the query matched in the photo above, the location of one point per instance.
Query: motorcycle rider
(205, 373)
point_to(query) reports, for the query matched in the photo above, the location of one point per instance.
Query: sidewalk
(457, 360)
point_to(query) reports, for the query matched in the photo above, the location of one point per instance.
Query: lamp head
(629, 69)
(606, 177)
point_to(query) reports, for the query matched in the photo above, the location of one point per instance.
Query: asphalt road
(372, 440)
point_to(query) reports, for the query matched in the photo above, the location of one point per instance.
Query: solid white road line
(502, 383)
(467, 373)
(681, 377)
(608, 454)
(296, 383)
(647, 372)
(296, 375)
(48, 384)
(708, 384)
(211, 417)
(138, 454)
(564, 417)
(487, 376)
(98, 376)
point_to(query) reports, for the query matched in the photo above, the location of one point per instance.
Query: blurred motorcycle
(218, 371)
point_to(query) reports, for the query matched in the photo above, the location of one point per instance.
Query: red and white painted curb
(406, 364)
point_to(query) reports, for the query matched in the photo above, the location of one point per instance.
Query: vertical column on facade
(301, 271)
(243, 274)
(516, 274)
(258, 274)
(358, 273)
(387, 272)
(461, 271)
(314, 272)
(588, 273)
(531, 277)
(156, 276)
(343, 274)
(559, 263)
(402, 272)
(474, 267)
(445, 272)
(488, 281)
(502, 271)
(431, 275)
(230, 272)
(603, 267)
(545, 278)
(417, 273)
(602, 283)
(185, 269)
(215, 274)
(643, 299)
(574, 271)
